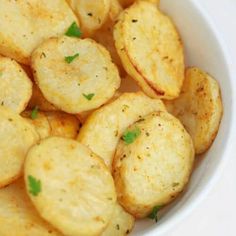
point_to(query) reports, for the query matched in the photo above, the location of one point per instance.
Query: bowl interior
(203, 48)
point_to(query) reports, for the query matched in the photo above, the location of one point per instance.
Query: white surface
(215, 216)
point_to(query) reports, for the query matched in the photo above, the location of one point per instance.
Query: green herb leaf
(69, 59)
(34, 113)
(74, 31)
(34, 186)
(130, 136)
(89, 96)
(1, 73)
(154, 213)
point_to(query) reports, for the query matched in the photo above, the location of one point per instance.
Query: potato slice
(199, 108)
(103, 129)
(40, 122)
(92, 14)
(154, 56)
(120, 224)
(38, 100)
(63, 124)
(84, 82)
(152, 164)
(26, 24)
(16, 137)
(18, 216)
(15, 86)
(66, 181)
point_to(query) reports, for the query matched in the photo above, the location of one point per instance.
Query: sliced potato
(66, 181)
(16, 137)
(38, 100)
(86, 82)
(103, 129)
(15, 86)
(63, 124)
(92, 14)
(151, 50)
(153, 163)
(121, 223)
(26, 24)
(40, 122)
(199, 108)
(18, 216)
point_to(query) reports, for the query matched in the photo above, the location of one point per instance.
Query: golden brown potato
(63, 124)
(199, 108)
(103, 129)
(121, 223)
(151, 50)
(126, 3)
(66, 181)
(15, 85)
(38, 100)
(92, 14)
(26, 24)
(18, 216)
(153, 163)
(39, 121)
(16, 137)
(71, 77)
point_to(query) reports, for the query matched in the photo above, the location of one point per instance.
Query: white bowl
(204, 48)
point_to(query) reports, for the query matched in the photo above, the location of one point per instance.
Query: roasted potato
(199, 108)
(66, 181)
(121, 223)
(63, 124)
(153, 163)
(92, 14)
(16, 137)
(15, 85)
(75, 74)
(103, 129)
(39, 121)
(26, 24)
(18, 216)
(151, 50)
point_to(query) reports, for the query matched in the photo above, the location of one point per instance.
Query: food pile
(100, 121)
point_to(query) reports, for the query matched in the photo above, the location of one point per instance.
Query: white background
(216, 215)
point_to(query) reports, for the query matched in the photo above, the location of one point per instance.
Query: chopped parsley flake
(89, 96)
(130, 136)
(34, 186)
(34, 113)
(74, 31)
(154, 213)
(70, 59)
(1, 73)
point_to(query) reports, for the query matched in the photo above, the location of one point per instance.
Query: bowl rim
(228, 149)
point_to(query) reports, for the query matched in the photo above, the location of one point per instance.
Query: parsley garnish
(1, 73)
(69, 59)
(34, 186)
(74, 31)
(153, 214)
(89, 96)
(34, 113)
(130, 136)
